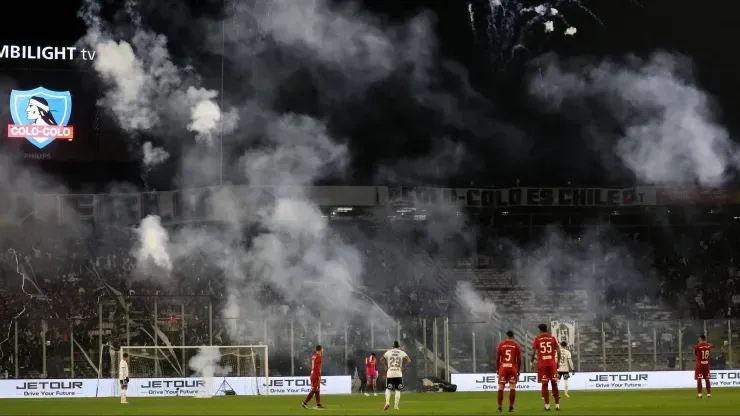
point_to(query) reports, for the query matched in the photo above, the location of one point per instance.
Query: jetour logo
(40, 116)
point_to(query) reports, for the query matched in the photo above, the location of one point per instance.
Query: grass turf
(725, 401)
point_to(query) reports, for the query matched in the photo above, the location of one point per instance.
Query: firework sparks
(511, 25)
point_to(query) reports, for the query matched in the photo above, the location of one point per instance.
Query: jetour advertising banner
(61, 388)
(171, 387)
(635, 380)
(247, 386)
(242, 386)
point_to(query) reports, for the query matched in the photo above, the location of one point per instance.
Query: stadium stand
(59, 303)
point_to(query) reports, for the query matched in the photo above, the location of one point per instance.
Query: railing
(81, 347)
(610, 345)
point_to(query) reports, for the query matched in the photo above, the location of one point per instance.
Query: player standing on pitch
(123, 376)
(545, 348)
(316, 361)
(508, 365)
(396, 362)
(371, 373)
(565, 366)
(702, 350)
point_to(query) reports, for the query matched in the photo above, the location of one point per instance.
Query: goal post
(200, 371)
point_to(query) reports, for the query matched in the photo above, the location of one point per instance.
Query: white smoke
(291, 245)
(153, 155)
(146, 90)
(207, 363)
(666, 129)
(152, 248)
(483, 308)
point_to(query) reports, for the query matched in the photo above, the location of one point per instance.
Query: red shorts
(315, 383)
(547, 373)
(372, 376)
(701, 373)
(507, 375)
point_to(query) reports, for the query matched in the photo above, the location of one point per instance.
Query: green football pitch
(658, 402)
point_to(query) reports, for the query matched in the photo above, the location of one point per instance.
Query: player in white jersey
(565, 366)
(395, 361)
(123, 376)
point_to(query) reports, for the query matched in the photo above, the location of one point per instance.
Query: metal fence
(84, 347)
(608, 345)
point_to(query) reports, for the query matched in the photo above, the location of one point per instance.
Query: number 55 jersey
(547, 350)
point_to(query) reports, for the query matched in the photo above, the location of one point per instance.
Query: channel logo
(40, 116)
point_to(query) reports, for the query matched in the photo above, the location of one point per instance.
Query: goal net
(198, 371)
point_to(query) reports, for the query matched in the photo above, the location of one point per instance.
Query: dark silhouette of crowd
(58, 301)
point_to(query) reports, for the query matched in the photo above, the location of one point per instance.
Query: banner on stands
(525, 197)
(173, 207)
(603, 380)
(697, 196)
(564, 331)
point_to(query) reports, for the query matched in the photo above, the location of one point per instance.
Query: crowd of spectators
(55, 294)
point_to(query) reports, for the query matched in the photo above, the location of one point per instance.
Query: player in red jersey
(316, 361)
(545, 349)
(702, 350)
(508, 365)
(371, 373)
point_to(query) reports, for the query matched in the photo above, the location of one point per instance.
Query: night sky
(525, 143)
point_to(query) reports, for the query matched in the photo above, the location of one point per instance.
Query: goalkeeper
(123, 376)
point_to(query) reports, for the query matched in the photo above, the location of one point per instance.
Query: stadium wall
(635, 380)
(167, 387)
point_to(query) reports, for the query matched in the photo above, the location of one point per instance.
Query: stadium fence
(84, 346)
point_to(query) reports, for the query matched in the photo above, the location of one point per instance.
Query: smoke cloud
(656, 120)
(206, 363)
(152, 249)
(147, 91)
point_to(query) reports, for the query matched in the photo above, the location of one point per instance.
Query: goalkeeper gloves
(126, 380)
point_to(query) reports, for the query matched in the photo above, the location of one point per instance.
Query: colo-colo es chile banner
(564, 331)
(514, 197)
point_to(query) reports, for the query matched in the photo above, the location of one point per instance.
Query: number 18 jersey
(547, 348)
(394, 358)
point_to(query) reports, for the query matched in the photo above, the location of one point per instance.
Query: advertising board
(636, 380)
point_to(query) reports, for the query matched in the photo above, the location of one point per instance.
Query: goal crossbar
(211, 364)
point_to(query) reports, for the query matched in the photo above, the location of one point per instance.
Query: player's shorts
(395, 383)
(507, 376)
(701, 373)
(371, 376)
(563, 375)
(547, 373)
(316, 383)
